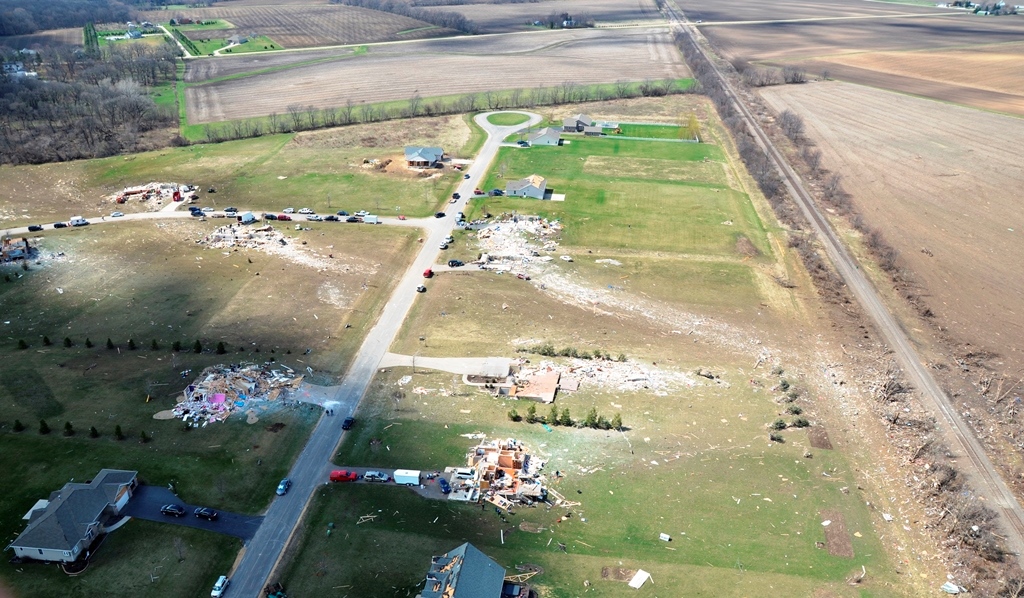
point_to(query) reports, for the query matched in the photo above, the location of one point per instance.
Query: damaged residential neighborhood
(510, 299)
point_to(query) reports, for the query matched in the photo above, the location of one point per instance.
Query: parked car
(270, 216)
(207, 209)
(59, 225)
(362, 213)
(343, 475)
(283, 487)
(352, 219)
(206, 513)
(284, 217)
(439, 215)
(218, 588)
(401, 216)
(523, 143)
(35, 228)
(198, 213)
(456, 196)
(211, 190)
(444, 246)
(342, 213)
(455, 263)
(116, 214)
(497, 192)
(421, 289)
(174, 510)
(331, 218)
(218, 215)
(449, 239)
(314, 218)
(230, 210)
(347, 424)
(445, 486)
(428, 273)
(460, 216)
(288, 210)
(306, 211)
(477, 192)
(465, 176)
(376, 476)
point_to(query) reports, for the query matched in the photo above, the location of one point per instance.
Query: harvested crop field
(731, 11)
(482, 63)
(926, 175)
(500, 18)
(54, 37)
(304, 26)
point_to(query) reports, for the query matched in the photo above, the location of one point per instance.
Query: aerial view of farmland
(487, 299)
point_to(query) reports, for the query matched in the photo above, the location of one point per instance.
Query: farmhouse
(464, 572)
(423, 157)
(62, 528)
(546, 136)
(532, 186)
(238, 39)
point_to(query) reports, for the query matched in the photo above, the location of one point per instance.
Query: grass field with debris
(150, 282)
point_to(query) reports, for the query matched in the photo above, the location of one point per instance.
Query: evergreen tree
(514, 415)
(43, 428)
(590, 421)
(110, 344)
(143, 438)
(69, 430)
(88, 343)
(131, 345)
(46, 341)
(617, 422)
(553, 416)
(93, 432)
(566, 419)
(220, 348)
(197, 347)
(18, 426)
(154, 346)
(22, 345)
(176, 346)
(118, 433)
(67, 342)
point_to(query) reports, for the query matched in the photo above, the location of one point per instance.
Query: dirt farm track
(440, 67)
(937, 180)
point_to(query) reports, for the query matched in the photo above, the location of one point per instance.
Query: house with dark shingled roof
(464, 572)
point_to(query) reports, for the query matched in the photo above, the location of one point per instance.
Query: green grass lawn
(742, 511)
(259, 43)
(653, 131)
(506, 119)
(206, 25)
(632, 195)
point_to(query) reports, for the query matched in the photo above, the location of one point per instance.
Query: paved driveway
(146, 501)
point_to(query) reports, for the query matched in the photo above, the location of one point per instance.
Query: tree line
(21, 17)
(442, 18)
(87, 107)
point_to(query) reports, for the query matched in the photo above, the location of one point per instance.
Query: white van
(78, 221)
(464, 473)
(220, 587)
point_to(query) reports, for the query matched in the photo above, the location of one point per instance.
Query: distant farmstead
(532, 186)
(238, 39)
(423, 157)
(64, 527)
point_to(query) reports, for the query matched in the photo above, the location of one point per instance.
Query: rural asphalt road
(986, 481)
(261, 555)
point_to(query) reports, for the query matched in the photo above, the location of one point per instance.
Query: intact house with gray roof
(464, 572)
(545, 136)
(576, 123)
(63, 528)
(423, 157)
(238, 40)
(532, 186)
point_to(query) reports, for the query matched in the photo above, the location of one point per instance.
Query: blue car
(445, 486)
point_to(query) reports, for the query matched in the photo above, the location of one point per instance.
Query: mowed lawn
(632, 195)
(743, 513)
(145, 282)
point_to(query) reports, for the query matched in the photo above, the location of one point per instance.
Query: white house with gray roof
(62, 528)
(545, 136)
(532, 186)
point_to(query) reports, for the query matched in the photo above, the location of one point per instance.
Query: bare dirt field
(499, 18)
(304, 26)
(54, 37)
(584, 56)
(739, 10)
(926, 175)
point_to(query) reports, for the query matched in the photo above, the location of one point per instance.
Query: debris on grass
(269, 240)
(153, 191)
(220, 390)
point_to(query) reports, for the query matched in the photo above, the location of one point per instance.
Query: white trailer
(409, 477)
(246, 218)
(371, 219)
(78, 221)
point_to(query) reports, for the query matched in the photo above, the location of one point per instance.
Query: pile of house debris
(159, 191)
(220, 390)
(12, 250)
(511, 243)
(543, 380)
(269, 240)
(503, 473)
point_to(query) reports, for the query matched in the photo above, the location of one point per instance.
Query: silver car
(376, 476)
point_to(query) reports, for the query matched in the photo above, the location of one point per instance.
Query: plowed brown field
(444, 67)
(309, 25)
(942, 183)
(71, 37)
(500, 18)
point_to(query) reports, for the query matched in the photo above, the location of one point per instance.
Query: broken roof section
(464, 572)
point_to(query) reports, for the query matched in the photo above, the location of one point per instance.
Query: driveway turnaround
(146, 501)
(261, 555)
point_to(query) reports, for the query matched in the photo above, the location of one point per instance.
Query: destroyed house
(464, 572)
(502, 469)
(15, 249)
(62, 528)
